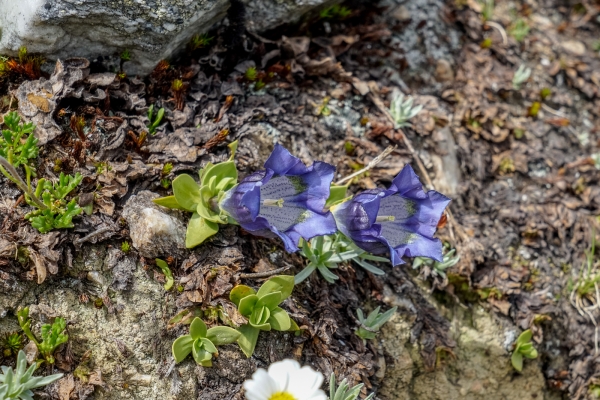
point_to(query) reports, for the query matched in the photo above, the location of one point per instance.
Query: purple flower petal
(401, 220)
(285, 200)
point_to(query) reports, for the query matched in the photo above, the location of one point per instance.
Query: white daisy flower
(285, 380)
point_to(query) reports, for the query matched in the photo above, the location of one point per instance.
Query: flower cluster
(288, 200)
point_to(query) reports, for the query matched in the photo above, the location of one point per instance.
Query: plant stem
(11, 173)
(372, 164)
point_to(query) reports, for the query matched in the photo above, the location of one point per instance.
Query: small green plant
(534, 109)
(519, 30)
(369, 327)
(326, 252)
(14, 147)
(323, 108)
(437, 268)
(487, 10)
(52, 335)
(125, 247)
(154, 119)
(251, 74)
(11, 343)
(523, 348)
(125, 55)
(521, 75)
(519, 133)
(165, 183)
(335, 12)
(177, 85)
(202, 199)
(262, 309)
(260, 84)
(200, 41)
(17, 384)
(167, 168)
(203, 342)
(53, 211)
(486, 44)
(167, 271)
(545, 93)
(402, 110)
(344, 391)
(596, 160)
(596, 45)
(57, 213)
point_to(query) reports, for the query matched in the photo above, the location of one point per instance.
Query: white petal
(283, 372)
(306, 383)
(261, 386)
(320, 395)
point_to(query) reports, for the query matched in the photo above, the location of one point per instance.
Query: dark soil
(525, 190)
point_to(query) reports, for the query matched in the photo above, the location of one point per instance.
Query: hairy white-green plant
(17, 384)
(402, 109)
(370, 326)
(438, 268)
(520, 76)
(596, 159)
(326, 252)
(344, 391)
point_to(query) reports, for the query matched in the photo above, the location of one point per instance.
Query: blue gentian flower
(287, 199)
(401, 220)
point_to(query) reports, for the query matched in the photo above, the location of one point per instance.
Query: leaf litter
(526, 192)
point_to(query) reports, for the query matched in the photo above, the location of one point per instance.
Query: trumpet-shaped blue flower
(285, 200)
(401, 220)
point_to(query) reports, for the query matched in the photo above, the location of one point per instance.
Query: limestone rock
(154, 230)
(479, 368)
(150, 29)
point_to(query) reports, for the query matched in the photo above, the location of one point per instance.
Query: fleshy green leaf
(247, 304)
(336, 195)
(239, 292)
(169, 202)
(221, 335)
(220, 171)
(279, 283)
(531, 353)
(201, 356)
(199, 230)
(280, 320)
(517, 361)
(197, 329)
(167, 271)
(187, 192)
(209, 346)
(270, 300)
(182, 346)
(233, 148)
(259, 318)
(247, 339)
(524, 337)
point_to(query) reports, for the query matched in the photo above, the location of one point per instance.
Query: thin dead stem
(91, 235)
(370, 165)
(16, 178)
(265, 274)
(500, 29)
(586, 311)
(452, 225)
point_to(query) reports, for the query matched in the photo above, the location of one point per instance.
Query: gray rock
(151, 30)
(154, 230)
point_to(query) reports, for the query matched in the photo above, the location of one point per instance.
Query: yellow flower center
(282, 396)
